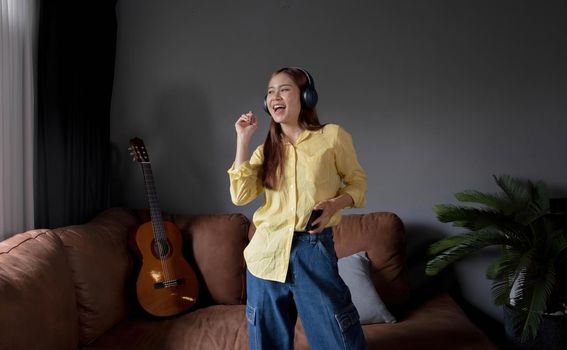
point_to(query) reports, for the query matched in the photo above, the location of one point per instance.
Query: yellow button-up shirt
(321, 165)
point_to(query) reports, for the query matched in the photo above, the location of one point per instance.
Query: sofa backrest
(49, 280)
(213, 245)
(101, 265)
(37, 298)
(382, 236)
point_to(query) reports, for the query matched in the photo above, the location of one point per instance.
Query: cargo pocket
(251, 315)
(351, 330)
(252, 331)
(347, 318)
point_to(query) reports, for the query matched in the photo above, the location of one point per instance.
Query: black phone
(314, 215)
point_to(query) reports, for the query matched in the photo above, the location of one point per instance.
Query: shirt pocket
(319, 167)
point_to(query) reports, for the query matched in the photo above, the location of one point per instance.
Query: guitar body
(166, 285)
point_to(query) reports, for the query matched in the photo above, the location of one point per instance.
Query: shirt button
(291, 229)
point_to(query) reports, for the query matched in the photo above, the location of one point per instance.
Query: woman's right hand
(246, 125)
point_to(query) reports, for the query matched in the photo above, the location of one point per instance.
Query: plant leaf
(534, 288)
(501, 291)
(504, 265)
(471, 218)
(447, 243)
(494, 201)
(469, 243)
(505, 270)
(517, 191)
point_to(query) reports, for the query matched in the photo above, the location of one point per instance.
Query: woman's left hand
(329, 208)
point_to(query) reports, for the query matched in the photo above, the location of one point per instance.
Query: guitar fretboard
(151, 196)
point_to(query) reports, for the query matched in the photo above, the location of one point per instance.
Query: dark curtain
(76, 50)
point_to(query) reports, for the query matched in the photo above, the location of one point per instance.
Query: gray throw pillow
(355, 271)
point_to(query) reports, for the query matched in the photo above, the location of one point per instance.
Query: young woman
(292, 270)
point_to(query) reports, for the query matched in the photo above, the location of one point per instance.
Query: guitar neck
(151, 196)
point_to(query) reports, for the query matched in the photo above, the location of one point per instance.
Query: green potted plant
(529, 274)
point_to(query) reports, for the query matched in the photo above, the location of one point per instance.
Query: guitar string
(148, 175)
(158, 239)
(162, 252)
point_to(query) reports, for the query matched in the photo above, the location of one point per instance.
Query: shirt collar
(305, 134)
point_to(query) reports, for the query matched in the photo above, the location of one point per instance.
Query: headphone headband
(310, 81)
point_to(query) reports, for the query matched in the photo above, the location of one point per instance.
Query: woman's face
(283, 99)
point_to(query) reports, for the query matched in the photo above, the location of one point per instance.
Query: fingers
(246, 125)
(323, 220)
(320, 222)
(247, 119)
(317, 223)
(319, 229)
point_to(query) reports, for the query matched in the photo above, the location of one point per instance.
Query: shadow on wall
(182, 126)
(419, 237)
(176, 132)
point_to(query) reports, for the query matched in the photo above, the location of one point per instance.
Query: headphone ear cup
(266, 104)
(310, 97)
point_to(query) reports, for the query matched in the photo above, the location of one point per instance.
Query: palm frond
(516, 190)
(533, 289)
(558, 242)
(533, 240)
(505, 270)
(476, 219)
(531, 213)
(493, 201)
(501, 291)
(471, 218)
(540, 196)
(504, 265)
(472, 242)
(549, 238)
(528, 201)
(447, 243)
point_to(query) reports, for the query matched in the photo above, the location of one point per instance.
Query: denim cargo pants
(314, 290)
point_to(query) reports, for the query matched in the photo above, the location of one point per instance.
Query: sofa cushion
(37, 296)
(381, 235)
(101, 266)
(211, 328)
(213, 244)
(438, 323)
(355, 272)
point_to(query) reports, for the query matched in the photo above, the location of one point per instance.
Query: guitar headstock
(138, 150)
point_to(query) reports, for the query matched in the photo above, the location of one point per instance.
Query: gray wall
(439, 95)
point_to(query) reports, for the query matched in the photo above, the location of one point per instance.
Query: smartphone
(314, 215)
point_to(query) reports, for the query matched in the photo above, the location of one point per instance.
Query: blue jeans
(314, 290)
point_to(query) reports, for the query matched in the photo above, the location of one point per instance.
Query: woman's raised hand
(246, 125)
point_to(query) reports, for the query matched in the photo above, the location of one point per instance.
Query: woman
(291, 269)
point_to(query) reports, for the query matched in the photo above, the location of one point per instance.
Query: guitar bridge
(170, 283)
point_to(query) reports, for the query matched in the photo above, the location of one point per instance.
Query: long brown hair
(274, 152)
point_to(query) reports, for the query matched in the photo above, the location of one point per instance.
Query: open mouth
(278, 107)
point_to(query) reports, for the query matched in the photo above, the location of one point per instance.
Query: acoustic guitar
(166, 284)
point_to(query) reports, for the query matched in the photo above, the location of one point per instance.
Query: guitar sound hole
(161, 248)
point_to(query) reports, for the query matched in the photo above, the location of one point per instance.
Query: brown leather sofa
(72, 287)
